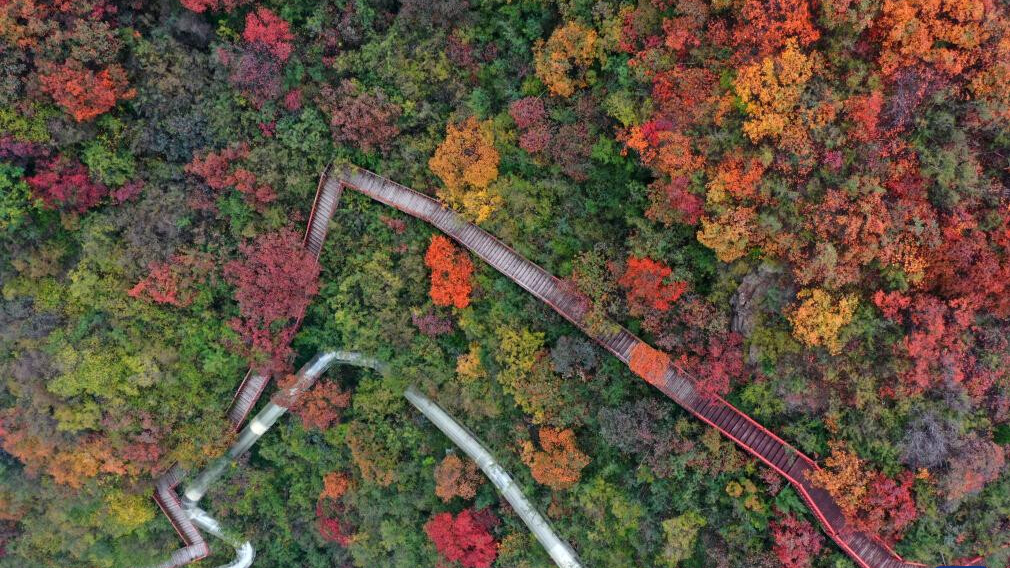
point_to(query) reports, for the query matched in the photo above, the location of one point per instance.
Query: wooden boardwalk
(866, 551)
(196, 547)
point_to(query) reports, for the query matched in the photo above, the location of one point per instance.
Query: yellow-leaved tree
(819, 317)
(770, 90)
(467, 162)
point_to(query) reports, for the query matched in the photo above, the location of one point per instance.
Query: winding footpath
(867, 551)
(559, 550)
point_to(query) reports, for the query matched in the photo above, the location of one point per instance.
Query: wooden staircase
(196, 547)
(867, 551)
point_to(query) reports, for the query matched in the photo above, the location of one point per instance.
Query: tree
(818, 319)
(681, 534)
(274, 34)
(451, 269)
(332, 526)
(562, 62)
(644, 281)
(254, 70)
(467, 162)
(887, 509)
(321, 406)
(843, 476)
(650, 364)
(944, 35)
(455, 477)
(82, 92)
(559, 463)
(978, 462)
(335, 485)
(536, 139)
(797, 542)
(161, 285)
(365, 119)
(527, 112)
(14, 202)
(200, 6)
(770, 90)
(465, 539)
(63, 183)
(765, 26)
(220, 171)
(274, 282)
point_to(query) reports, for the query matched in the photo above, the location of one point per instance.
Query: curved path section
(196, 547)
(559, 550)
(867, 551)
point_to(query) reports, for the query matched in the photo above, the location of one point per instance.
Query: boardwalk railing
(867, 551)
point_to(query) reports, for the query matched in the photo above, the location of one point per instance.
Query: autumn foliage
(321, 406)
(562, 61)
(467, 163)
(644, 281)
(82, 92)
(819, 317)
(274, 282)
(451, 269)
(264, 27)
(335, 484)
(222, 170)
(559, 462)
(871, 501)
(797, 542)
(457, 477)
(174, 283)
(200, 6)
(465, 538)
(65, 184)
(649, 363)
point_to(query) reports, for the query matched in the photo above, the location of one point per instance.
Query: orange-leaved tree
(82, 92)
(649, 363)
(770, 90)
(456, 477)
(559, 462)
(451, 268)
(467, 162)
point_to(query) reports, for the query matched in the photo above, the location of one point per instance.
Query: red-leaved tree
(645, 284)
(64, 184)
(200, 6)
(274, 282)
(321, 407)
(887, 508)
(220, 170)
(797, 542)
(264, 27)
(451, 268)
(174, 282)
(466, 538)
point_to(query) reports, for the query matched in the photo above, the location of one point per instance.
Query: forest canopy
(804, 205)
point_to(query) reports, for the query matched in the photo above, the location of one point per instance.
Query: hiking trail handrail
(868, 551)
